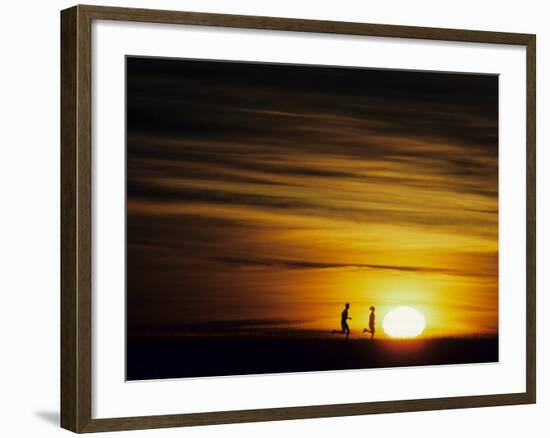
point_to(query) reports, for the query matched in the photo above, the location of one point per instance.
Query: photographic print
(290, 218)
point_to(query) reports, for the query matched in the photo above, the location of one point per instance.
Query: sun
(404, 322)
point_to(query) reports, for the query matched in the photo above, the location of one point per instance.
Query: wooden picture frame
(76, 218)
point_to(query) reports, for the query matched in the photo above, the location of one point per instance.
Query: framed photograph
(270, 218)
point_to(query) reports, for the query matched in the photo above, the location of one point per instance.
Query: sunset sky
(268, 195)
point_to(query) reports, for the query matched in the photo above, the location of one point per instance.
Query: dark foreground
(161, 358)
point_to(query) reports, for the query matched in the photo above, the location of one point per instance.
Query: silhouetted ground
(173, 357)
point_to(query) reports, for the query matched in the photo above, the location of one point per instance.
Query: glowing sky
(265, 195)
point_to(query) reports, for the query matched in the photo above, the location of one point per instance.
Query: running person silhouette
(344, 323)
(372, 323)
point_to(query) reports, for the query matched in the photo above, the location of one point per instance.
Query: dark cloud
(259, 101)
(300, 264)
(360, 214)
(227, 325)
